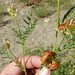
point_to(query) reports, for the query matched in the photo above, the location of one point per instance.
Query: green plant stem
(58, 22)
(24, 69)
(58, 13)
(22, 49)
(17, 61)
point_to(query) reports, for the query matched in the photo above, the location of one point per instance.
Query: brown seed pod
(67, 25)
(63, 25)
(54, 66)
(48, 56)
(44, 57)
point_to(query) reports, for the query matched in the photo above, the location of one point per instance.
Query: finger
(31, 61)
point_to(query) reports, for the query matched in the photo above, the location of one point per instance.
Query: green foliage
(29, 26)
(70, 14)
(38, 51)
(70, 42)
(5, 54)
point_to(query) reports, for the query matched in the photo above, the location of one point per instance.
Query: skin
(33, 64)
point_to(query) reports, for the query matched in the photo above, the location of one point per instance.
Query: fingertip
(36, 61)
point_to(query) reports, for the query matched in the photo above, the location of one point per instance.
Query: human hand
(33, 64)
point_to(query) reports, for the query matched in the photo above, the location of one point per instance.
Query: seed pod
(61, 26)
(49, 59)
(54, 66)
(48, 56)
(67, 24)
(44, 57)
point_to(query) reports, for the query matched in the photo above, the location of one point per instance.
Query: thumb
(43, 71)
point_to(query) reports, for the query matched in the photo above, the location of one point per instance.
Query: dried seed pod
(52, 54)
(48, 56)
(49, 59)
(54, 65)
(44, 58)
(68, 24)
(61, 26)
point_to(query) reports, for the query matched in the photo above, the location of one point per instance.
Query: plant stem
(58, 13)
(24, 69)
(23, 49)
(17, 61)
(58, 22)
